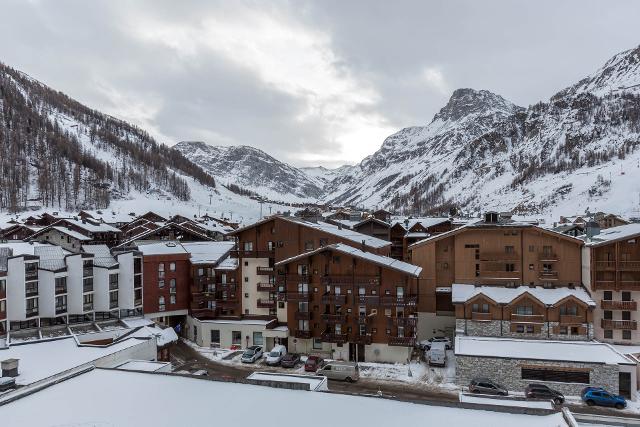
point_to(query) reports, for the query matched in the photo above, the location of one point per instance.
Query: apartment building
(611, 270)
(406, 231)
(3, 299)
(72, 233)
(350, 304)
(497, 252)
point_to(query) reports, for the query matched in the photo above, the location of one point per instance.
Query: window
(317, 344)
(477, 270)
(161, 306)
(257, 338)
(236, 338)
(172, 286)
(113, 281)
(172, 299)
(563, 330)
(509, 250)
(215, 337)
(246, 280)
(172, 266)
(626, 315)
(480, 308)
(569, 310)
(324, 241)
(524, 310)
(510, 267)
(248, 246)
(532, 248)
(626, 334)
(608, 334)
(607, 295)
(161, 283)
(607, 314)
(555, 375)
(626, 296)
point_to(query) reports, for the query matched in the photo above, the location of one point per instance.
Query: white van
(342, 371)
(438, 354)
(274, 357)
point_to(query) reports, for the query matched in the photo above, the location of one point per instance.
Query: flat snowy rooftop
(122, 398)
(574, 351)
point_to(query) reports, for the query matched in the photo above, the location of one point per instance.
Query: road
(185, 358)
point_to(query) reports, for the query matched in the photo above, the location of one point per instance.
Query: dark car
(486, 386)
(601, 397)
(541, 391)
(290, 360)
(313, 363)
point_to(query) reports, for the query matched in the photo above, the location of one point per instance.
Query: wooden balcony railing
(368, 300)
(349, 279)
(303, 315)
(405, 300)
(334, 299)
(618, 305)
(618, 324)
(333, 318)
(267, 287)
(407, 322)
(629, 265)
(498, 256)
(253, 254)
(475, 315)
(567, 319)
(604, 285)
(333, 337)
(548, 275)
(402, 341)
(265, 271)
(548, 257)
(298, 296)
(629, 285)
(527, 318)
(302, 334)
(610, 285)
(605, 265)
(266, 303)
(292, 278)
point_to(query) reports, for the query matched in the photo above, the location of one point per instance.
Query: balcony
(298, 296)
(604, 285)
(205, 312)
(333, 318)
(567, 319)
(629, 265)
(61, 309)
(265, 271)
(137, 302)
(618, 324)
(31, 274)
(293, 278)
(605, 265)
(618, 305)
(61, 290)
(527, 318)
(303, 315)
(368, 300)
(302, 334)
(334, 299)
(333, 337)
(87, 288)
(402, 341)
(407, 322)
(254, 254)
(361, 339)
(629, 285)
(499, 256)
(87, 306)
(405, 300)
(266, 303)
(30, 312)
(350, 279)
(547, 257)
(476, 315)
(266, 287)
(113, 304)
(548, 275)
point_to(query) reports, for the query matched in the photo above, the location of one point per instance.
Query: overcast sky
(310, 82)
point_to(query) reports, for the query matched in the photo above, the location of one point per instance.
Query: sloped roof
(614, 234)
(51, 257)
(101, 255)
(461, 293)
(381, 260)
(208, 252)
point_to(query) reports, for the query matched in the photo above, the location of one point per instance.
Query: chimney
(364, 246)
(9, 367)
(592, 229)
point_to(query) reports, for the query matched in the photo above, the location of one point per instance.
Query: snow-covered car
(251, 354)
(275, 355)
(426, 344)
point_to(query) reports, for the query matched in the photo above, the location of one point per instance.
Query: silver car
(251, 354)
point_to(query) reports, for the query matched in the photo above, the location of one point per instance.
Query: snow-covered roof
(131, 399)
(91, 227)
(143, 365)
(20, 247)
(67, 231)
(426, 222)
(228, 263)
(416, 235)
(160, 247)
(614, 234)
(381, 260)
(461, 293)
(354, 236)
(208, 252)
(51, 257)
(566, 351)
(101, 255)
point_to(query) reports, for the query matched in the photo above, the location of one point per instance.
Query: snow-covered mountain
(253, 170)
(575, 151)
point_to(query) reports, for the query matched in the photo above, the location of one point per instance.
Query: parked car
(426, 344)
(541, 391)
(251, 354)
(290, 360)
(437, 354)
(313, 363)
(275, 355)
(342, 371)
(601, 397)
(486, 386)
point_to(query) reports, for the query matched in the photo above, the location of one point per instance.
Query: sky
(310, 82)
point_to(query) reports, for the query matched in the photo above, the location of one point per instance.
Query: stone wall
(507, 372)
(491, 328)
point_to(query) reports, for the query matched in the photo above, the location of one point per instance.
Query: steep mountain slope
(577, 150)
(253, 170)
(56, 152)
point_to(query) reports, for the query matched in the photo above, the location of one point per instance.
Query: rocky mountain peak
(465, 102)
